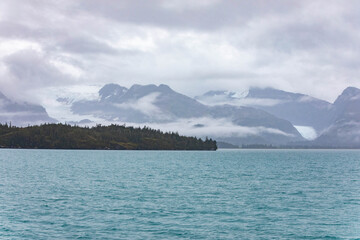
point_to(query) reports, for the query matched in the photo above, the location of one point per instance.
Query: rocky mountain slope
(345, 128)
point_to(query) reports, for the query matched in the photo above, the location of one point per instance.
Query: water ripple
(272, 194)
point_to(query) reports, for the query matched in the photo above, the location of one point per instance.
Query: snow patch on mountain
(307, 132)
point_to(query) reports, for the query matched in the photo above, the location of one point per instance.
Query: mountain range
(299, 109)
(335, 124)
(151, 104)
(256, 116)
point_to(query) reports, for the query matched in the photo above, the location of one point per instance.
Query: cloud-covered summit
(22, 113)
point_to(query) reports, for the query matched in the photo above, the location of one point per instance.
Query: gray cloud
(14, 30)
(194, 46)
(30, 67)
(29, 70)
(202, 15)
(84, 45)
(210, 127)
(146, 106)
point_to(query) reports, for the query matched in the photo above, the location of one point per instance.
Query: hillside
(113, 137)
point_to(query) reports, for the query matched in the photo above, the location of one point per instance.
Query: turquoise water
(246, 194)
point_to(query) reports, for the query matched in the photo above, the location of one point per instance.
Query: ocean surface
(232, 194)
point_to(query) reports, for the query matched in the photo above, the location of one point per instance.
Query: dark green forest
(113, 137)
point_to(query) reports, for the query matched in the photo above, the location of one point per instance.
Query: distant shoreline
(133, 150)
(179, 150)
(288, 149)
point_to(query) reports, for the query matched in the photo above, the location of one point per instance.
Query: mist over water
(246, 194)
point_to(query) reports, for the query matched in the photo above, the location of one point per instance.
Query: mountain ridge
(161, 104)
(299, 109)
(337, 124)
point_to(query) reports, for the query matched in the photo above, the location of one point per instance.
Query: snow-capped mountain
(299, 109)
(328, 125)
(162, 107)
(139, 104)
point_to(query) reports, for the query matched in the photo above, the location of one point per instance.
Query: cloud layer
(306, 46)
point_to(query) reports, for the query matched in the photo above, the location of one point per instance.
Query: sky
(51, 49)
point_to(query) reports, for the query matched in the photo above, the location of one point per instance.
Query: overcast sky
(54, 48)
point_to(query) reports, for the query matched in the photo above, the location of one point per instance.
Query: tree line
(112, 137)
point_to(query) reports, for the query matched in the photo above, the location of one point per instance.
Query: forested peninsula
(112, 137)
